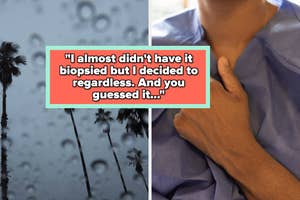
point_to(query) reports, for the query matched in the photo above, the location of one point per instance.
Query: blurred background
(161, 9)
(43, 157)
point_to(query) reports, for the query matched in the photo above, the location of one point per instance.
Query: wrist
(244, 162)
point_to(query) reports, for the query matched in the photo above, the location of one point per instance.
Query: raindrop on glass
(128, 139)
(131, 35)
(99, 166)
(40, 85)
(25, 165)
(73, 160)
(25, 135)
(85, 10)
(115, 10)
(68, 145)
(36, 40)
(101, 23)
(30, 188)
(38, 58)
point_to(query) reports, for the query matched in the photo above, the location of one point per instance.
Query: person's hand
(224, 129)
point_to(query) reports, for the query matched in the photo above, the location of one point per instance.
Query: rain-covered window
(68, 154)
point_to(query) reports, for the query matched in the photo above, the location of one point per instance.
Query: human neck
(231, 24)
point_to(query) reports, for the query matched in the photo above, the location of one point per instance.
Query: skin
(225, 135)
(231, 24)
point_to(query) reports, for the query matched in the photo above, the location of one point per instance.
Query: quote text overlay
(127, 77)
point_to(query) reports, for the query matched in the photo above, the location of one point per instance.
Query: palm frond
(9, 62)
(20, 60)
(9, 48)
(103, 116)
(136, 159)
(124, 114)
(135, 120)
(15, 70)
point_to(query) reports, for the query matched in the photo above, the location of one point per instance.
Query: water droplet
(30, 188)
(99, 166)
(85, 10)
(128, 139)
(73, 160)
(127, 196)
(101, 23)
(68, 145)
(25, 135)
(37, 170)
(36, 40)
(40, 85)
(25, 165)
(131, 34)
(115, 10)
(39, 58)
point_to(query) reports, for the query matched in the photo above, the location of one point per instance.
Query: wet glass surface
(43, 158)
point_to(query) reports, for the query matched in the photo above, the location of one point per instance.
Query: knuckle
(185, 111)
(177, 120)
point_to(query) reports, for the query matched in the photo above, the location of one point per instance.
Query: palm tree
(87, 182)
(135, 120)
(9, 62)
(104, 118)
(136, 160)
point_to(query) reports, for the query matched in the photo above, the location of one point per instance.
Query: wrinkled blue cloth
(269, 70)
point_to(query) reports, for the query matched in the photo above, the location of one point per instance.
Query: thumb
(231, 83)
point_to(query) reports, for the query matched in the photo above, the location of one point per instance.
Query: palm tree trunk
(144, 125)
(4, 173)
(144, 180)
(87, 182)
(117, 161)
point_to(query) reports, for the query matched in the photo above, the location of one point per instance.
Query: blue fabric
(269, 70)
